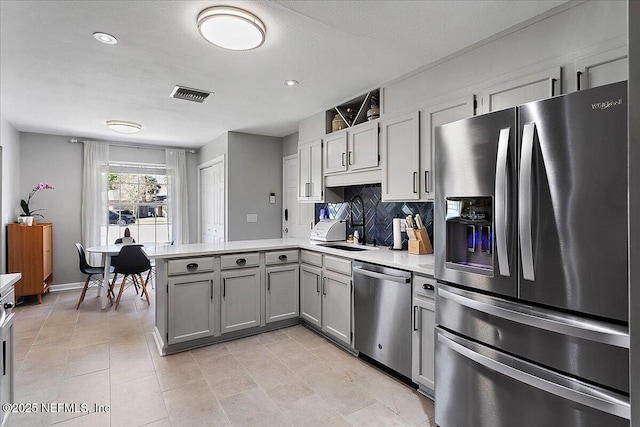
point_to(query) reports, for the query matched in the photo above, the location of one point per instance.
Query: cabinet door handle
(307, 189)
(282, 257)
(415, 179)
(350, 157)
(192, 266)
(318, 284)
(552, 83)
(269, 282)
(578, 79)
(427, 187)
(224, 288)
(324, 286)
(211, 289)
(241, 261)
(415, 317)
(343, 155)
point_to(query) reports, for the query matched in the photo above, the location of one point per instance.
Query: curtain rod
(134, 145)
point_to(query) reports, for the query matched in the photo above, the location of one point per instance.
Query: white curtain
(177, 194)
(95, 195)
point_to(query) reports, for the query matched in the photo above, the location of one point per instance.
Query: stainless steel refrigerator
(531, 262)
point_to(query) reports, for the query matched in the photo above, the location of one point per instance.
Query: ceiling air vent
(188, 94)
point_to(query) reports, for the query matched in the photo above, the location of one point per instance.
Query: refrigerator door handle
(525, 205)
(594, 398)
(501, 202)
(592, 330)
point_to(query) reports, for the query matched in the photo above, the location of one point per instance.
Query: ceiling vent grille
(188, 94)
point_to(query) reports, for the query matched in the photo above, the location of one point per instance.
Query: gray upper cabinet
(282, 292)
(352, 149)
(601, 69)
(433, 117)
(400, 158)
(310, 187)
(363, 146)
(240, 301)
(335, 152)
(533, 87)
(191, 307)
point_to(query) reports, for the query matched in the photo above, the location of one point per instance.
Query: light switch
(252, 217)
(272, 198)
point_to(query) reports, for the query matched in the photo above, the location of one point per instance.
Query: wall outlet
(252, 217)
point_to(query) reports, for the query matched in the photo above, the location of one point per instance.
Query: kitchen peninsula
(214, 292)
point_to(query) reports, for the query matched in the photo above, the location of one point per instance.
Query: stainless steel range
(531, 261)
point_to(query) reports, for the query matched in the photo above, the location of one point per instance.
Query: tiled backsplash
(378, 216)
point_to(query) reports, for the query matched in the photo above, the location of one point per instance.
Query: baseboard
(66, 286)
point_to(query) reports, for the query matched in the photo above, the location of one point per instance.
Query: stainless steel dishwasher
(382, 305)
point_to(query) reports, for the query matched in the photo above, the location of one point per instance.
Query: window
(138, 201)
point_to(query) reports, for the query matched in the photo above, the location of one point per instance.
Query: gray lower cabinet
(311, 294)
(191, 307)
(240, 301)
(283, 298)
(423, 339)
(336, 306)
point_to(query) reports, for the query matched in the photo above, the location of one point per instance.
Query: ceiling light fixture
(231, 28)
(105, 38)
(124, 127)
(290, 82)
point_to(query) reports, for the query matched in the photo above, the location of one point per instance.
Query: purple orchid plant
(25, 204)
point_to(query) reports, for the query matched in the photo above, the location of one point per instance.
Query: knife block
(421, 245)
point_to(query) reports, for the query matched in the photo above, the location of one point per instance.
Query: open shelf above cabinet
(353, 112)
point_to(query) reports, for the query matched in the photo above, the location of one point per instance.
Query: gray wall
(634, 205)
(10, 170)
(213, 149)
(254, 171)
(54, 160)
(290, 144)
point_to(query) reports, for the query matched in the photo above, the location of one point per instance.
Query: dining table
(107, 251)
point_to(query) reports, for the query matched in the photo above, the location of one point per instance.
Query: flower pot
(28, 220)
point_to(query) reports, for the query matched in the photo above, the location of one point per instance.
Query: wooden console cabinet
(30, 252)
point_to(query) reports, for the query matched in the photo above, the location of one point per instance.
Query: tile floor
(289, 377)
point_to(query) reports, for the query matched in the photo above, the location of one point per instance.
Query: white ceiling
(56, 78)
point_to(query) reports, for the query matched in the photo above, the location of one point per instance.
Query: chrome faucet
(363, 240)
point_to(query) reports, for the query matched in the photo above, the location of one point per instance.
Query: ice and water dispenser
(470, 234)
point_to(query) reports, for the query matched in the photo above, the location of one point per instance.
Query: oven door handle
(594, 398)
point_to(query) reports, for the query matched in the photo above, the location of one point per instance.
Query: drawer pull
(282, 257)
(192, 266)
(428, 287)
(241, 261)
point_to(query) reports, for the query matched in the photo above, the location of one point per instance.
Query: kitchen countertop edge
(422, 264)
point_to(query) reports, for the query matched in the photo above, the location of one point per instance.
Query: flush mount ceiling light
(124, 127)
(231, 28)
(290, 82)
(105, 38)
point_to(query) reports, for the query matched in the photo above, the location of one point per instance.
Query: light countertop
(377, 255)
(8, 280)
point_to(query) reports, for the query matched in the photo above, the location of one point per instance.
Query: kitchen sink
(343, 247)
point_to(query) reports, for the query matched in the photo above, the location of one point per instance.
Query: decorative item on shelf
(373, 112)
(27, 214)
(337, 123)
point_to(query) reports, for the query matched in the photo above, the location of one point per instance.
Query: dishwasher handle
(376, 275)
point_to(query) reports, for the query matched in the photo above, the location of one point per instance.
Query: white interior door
(212, 221)
(297, 218)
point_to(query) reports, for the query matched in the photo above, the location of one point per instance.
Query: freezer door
(481, 387)
(475, 222)
(593, 350)
(573, 202)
